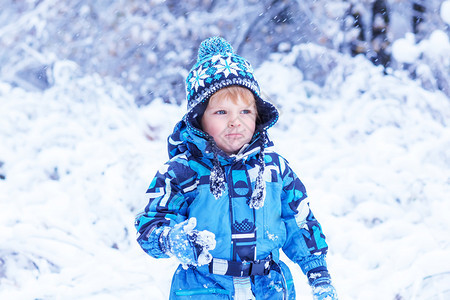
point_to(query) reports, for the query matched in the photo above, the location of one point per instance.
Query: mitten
(324, 291)
(320, 281)
(189, 246)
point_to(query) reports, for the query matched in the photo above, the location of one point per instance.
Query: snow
(371, 148)
(445, 11)
(405, 50)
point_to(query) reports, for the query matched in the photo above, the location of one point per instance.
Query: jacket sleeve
(168, 193)
(305, 243)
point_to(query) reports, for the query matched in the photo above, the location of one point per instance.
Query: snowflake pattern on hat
(198, 78)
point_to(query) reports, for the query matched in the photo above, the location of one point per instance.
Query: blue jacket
(181, 190)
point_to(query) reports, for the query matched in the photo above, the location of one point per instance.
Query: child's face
(230, 123)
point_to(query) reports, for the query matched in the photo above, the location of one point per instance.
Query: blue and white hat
(218, 67)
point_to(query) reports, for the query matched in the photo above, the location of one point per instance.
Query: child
(224, 204)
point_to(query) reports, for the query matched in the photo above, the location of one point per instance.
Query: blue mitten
(324, 292)
(320, 281)
(189, 246)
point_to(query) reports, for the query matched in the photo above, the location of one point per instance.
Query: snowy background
(89, 93)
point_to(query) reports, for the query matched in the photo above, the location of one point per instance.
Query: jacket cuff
(318, 276)
(311, 262)
(151, 245)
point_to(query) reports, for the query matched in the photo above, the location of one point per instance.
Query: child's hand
(189, 246)
(324, 291)
(320, 281)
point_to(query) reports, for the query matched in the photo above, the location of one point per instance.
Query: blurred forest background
(148, 46)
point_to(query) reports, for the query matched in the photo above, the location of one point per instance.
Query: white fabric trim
(219, 266)
(243, 235)
(242, 288)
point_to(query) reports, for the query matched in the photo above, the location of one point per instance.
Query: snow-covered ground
(372, 149)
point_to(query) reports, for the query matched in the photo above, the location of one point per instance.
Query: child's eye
(246, 111)
(220, 112)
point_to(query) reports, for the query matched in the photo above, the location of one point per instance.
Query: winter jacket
(181, 189)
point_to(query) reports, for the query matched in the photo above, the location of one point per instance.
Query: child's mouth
(234, 135)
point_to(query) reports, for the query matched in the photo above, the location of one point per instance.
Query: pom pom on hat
(213, 46)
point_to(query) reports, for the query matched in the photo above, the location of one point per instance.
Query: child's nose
(234, 122)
